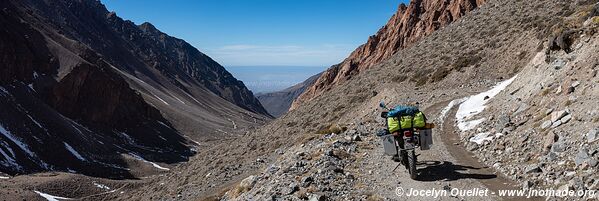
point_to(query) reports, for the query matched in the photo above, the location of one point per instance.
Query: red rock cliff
(408, 25)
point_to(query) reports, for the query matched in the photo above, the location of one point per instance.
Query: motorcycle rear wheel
(412, 164)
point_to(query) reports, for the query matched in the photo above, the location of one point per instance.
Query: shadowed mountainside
(84, 91)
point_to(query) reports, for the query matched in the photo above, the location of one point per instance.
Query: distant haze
(261, 79)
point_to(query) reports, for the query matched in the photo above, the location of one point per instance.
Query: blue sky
(264, 32)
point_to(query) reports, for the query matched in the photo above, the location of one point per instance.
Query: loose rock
(592, 135)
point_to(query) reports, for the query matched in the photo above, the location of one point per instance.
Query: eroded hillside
(492, 44)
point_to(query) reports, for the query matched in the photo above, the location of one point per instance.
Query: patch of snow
(77, 129)
(51, 197)
(150, 162)
(31, 87)
(74, 152)
(481, 138)
(160, 99)
(475, 104)
(196, 100)
(4, 92)
(162, 123)
(468, 125)
(177, 98)
(16, 140)
(36, 123)
(127, 138)
(9, 160)
(76, 126)
(3, 177)
(195, 141)
(449, 107)
(99, 185)
(233, 122)
(7, 147)
(35, 75)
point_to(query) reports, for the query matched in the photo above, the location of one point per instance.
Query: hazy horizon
(264, 79)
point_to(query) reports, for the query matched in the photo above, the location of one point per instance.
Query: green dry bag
(406, 122)
(419, 120)
(393, 124)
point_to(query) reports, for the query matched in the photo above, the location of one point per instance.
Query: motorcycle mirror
(382, 104)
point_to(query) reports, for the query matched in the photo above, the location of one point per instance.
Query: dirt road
(446, 166)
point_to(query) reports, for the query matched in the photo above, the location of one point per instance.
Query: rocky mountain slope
(491, 44)
(408, 25)
(278, 103)
(84, 91)
(549, 49)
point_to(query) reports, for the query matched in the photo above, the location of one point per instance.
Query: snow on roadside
(481, 138)
(51, 197)
(449, 107)
(146, 161)
(74, 152)
(475, 104)
(3, 177)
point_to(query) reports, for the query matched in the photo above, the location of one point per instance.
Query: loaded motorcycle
(406, 129)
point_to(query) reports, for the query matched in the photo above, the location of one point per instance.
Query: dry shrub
(399, 78)
(334, 128)
(439, 74)
(305, 138)
(374, 197)
(466, 61)
(545, 91)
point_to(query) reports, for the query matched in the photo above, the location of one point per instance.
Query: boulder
(566, 119)
(546, 124)
(248, 183)
(558, 115)
(306, 181)
(556, 124)
(558, 147)
(292, 188)
(548, 141)
(592, 135)
(317, 197)
(581, 157)
(532, 169)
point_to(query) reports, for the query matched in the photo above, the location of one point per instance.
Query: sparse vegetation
(439, 74)
(465, 62)
(545, 91)
(399, 78)
(334, 128)
(568, 103)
